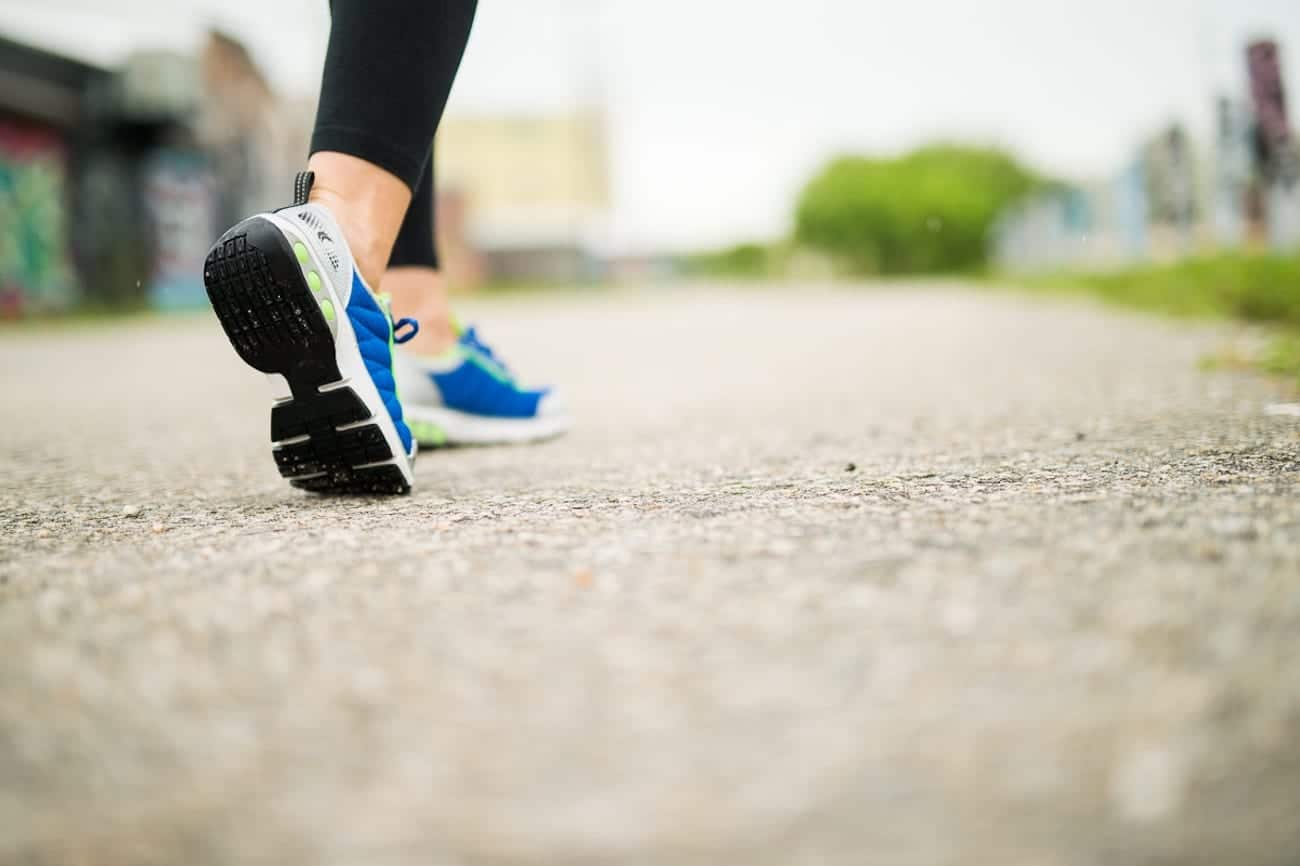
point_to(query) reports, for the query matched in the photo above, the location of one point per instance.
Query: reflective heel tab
(302, 182)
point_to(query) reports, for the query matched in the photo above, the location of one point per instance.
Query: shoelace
(405, 322)
(386, 304)
(469, 338)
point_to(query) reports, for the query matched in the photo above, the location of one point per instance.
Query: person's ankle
(368, 203)
(437, 337)
(418, 292)
(369, 252)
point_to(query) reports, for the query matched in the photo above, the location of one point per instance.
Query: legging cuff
(373, 149)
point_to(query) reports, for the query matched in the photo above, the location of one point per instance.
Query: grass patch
(1260, 289)
(1283, 355)
(747, 261)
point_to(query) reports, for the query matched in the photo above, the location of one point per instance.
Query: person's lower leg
(412, 279)
(420, 293)
(388, 71)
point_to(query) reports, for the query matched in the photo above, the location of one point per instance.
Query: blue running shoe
(469, 397)
(285, 290)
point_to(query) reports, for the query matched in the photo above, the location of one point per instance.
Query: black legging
(388, 71)
(416, 244)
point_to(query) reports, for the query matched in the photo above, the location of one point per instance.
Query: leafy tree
(929, 211)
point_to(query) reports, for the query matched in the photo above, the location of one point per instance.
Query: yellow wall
(505, 163)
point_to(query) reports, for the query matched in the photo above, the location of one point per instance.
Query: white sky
(720, 109)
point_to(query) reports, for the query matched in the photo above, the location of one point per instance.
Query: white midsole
(348, 356)
(462, 428)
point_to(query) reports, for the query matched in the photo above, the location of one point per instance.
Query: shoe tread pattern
(273, 321)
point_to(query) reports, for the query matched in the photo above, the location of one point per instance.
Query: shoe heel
(266, 307)
(277, 324)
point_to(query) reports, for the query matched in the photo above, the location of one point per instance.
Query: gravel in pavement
(914, 576)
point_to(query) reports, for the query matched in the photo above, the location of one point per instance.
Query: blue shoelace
(403, 323)
(470, 339)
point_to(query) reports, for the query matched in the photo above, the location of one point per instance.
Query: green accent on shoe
(487, 366)
(427, 434)
(300, 250)
(327, 309)
(313, 281)
(385, 301)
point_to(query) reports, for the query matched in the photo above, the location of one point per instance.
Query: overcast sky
(720, 109)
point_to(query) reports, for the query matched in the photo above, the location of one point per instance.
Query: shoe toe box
(552, 405)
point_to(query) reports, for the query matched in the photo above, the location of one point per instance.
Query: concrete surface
(823, 577)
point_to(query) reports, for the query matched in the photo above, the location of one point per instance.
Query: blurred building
(212, 144)
(524, 197)
(1097, 226)
(1275, 152)
(254, 140)
(1233, 169)
(113, 182)
(45, 105)
(148, 146)
(1176, 199)
(1174, 196)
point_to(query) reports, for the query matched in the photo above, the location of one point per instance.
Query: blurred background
(603, 141)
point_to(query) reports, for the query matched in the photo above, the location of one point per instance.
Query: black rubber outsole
(276, 326)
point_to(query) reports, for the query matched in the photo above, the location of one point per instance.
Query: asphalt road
(912, 576)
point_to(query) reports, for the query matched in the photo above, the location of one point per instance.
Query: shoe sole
(325, 438)
(436, 427)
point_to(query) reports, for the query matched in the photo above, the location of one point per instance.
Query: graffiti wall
(179, 201)
(35, 269)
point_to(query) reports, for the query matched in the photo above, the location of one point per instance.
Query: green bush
(742, 261)
(929, 211)
(1255, 288)
(1263, 288)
